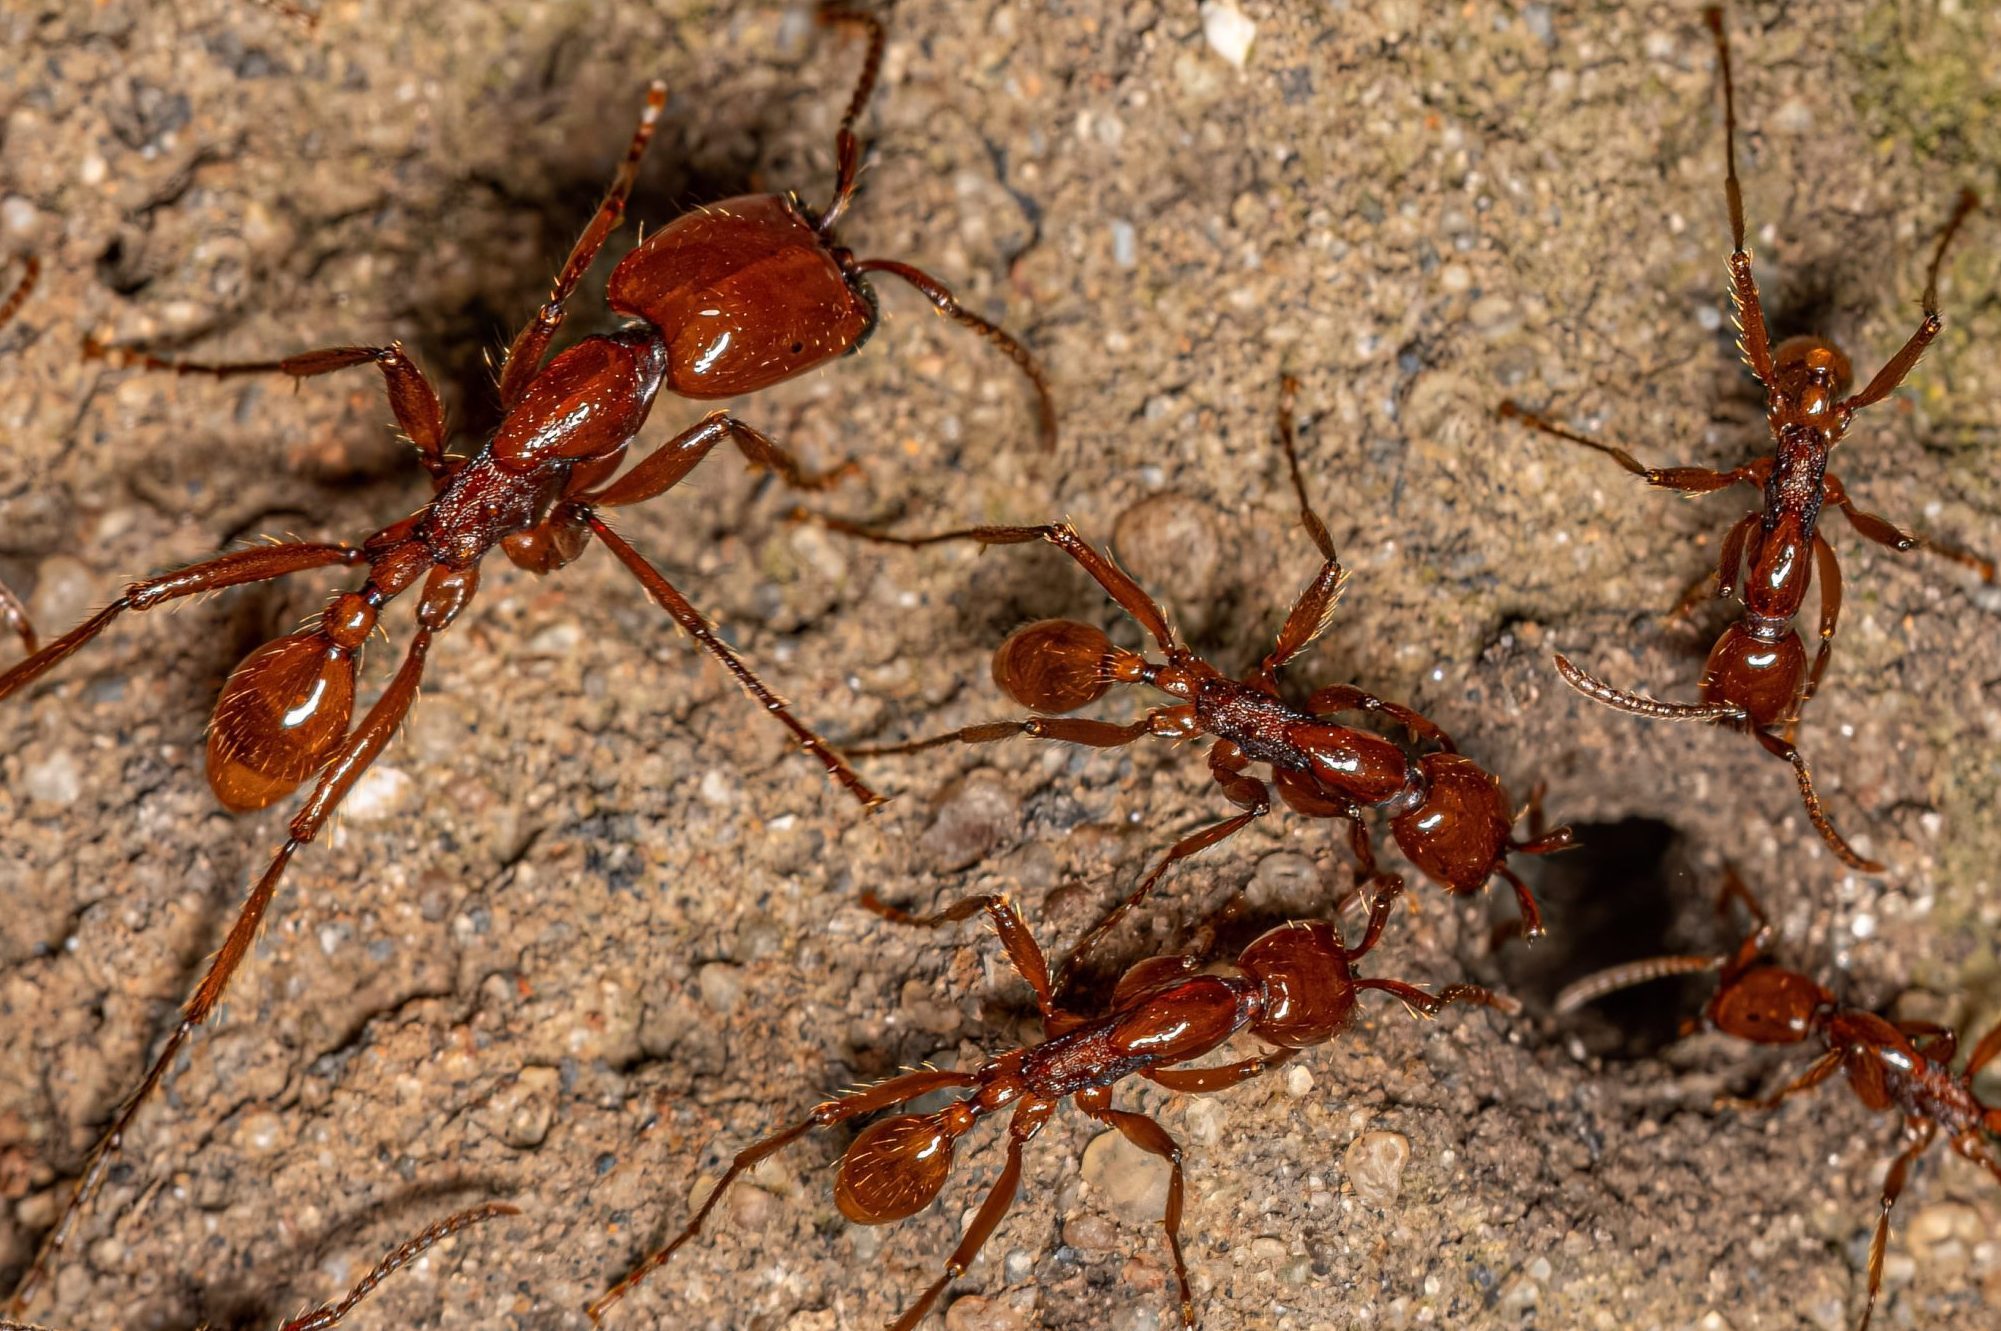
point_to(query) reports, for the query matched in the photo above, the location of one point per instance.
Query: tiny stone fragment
(1125, 1179)
(1228, 30)
(1375, 1163)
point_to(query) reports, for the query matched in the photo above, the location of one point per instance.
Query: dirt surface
(589, 926)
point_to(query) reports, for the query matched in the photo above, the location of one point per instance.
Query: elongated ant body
(1900, 1066)
(724, 301)
(330, 1314)
(1448, 815)
(1757, 678)
(1294, 987)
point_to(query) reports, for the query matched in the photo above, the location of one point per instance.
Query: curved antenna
(1625, 975)
(941, 297)
(1639, 704)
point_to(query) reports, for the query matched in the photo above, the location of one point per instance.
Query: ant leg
(1984, 1050)
(31, 272)
(1338, 698)
(411, 397)
(1755, 343)
(1202, 1081)
(1921, 1133)
(1729, 564)
(1423, 1004)
(946, 304)
(524, 354)
(1639, 704)
(881, 1096)
(1379, 915)
(847, 148)
(1906, 359)
(260, 564)
(1937, 1043)
(1168, 722)
(1819, 1071)
(1027, 1121)
(666, 466)
(1816, 813)
(690, 619)
(1132, 598)
(1314, 610)
(1828, 569)
(329, 1314)
(1971, 1147)
(1226, 765)
(343, 768)
(1625, 975)
(1887, 534)
(1023, 952)
(1688, 480)
(1758, 939)
(14, 618)
(1150, 1137)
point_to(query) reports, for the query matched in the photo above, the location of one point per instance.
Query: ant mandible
(1757, 678)
(330, 1314)
(1904, 1066)
(1293, 987)
(726, 300)
(1449, 816)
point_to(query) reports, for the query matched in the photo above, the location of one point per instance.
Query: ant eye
(798, 347)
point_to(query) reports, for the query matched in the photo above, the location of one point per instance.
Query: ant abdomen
(1054, 665)
(895, 1168)
(1302, 971)
(281, 713)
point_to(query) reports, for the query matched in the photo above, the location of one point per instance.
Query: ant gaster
(726, 301)
(1294, 987)
(1757, 678)
(1905, 1066)
(1449, 816)
(330, 1314)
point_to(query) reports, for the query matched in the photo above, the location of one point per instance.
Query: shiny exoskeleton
(1903, 1067)
(1448, 815)
(724, 301)
(1294, 988)
(1757, 678)
(330, 1314)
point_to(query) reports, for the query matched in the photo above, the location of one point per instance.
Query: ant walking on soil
(724, 301)
(330, 1314)
(1294, 987)
(1905, 1066)
(1757, 678)
(1448, 815)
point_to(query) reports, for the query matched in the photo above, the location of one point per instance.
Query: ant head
(1813, 373)
(1055, 665)
(1308, 990)
(1769, 1005)
(897, 1166)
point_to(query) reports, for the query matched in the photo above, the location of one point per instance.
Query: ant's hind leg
(1893, 1187)
(1816, 812)
(1023, 952)
(1819, 1071)
(1027, 1121)
(1150, 1137)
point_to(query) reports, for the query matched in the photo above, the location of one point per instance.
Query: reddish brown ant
(725, 301)
(1757, 679)
(1449, 816)
(330, 1314)
(1293, 987)
(1904, 1066)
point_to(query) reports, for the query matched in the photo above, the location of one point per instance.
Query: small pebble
(1375, 1162)
(974, 1313)
(721, 985)
(380, 792)
(1229, 30)
(1298, 1082)
(55, 780)
(971, 824)
(1125, 1179)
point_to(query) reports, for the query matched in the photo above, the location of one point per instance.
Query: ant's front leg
(1688, 480)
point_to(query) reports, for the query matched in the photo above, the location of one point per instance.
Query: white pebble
(1229, 30)
(381, 790)
(54, 780)
(1298, 1082)
(1375, 1163)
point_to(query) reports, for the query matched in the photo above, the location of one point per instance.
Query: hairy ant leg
(1161, 722)
(1226, 768)
(1021, 1129)
(1816, 812)
(847, 147)
(525, 354)
(1899, 366)
(1423, 1003)
(1338, 698)
(1687, 480)
(1919, 1133)
(1150, 1137)
(1887, 534)
(1754, 342)
(1023, 952)
(883, 1095)
(444, 597)
(690, 619)
(235, 569)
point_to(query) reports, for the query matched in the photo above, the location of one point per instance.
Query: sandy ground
(589, 926)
